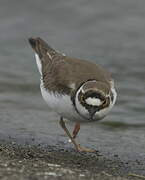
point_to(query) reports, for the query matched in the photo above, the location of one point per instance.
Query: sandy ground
(19, 162)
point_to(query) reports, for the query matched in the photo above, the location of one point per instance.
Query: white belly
(60, 104)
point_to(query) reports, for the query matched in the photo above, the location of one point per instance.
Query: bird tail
(41, 48)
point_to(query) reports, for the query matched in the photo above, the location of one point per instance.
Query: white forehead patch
(93, 101)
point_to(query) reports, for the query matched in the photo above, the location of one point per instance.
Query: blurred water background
(110, 33)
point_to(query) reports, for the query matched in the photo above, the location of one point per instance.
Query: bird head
(94, 99)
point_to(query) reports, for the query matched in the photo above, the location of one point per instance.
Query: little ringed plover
(77, 90)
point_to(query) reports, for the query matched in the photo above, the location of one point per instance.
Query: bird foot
(84, 149)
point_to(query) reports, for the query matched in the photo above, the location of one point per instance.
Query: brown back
(60, 73)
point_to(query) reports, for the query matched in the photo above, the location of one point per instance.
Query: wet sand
(36, 162)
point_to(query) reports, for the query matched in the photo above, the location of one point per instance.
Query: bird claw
(84, 149)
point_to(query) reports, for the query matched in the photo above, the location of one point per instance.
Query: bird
(76, 89)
